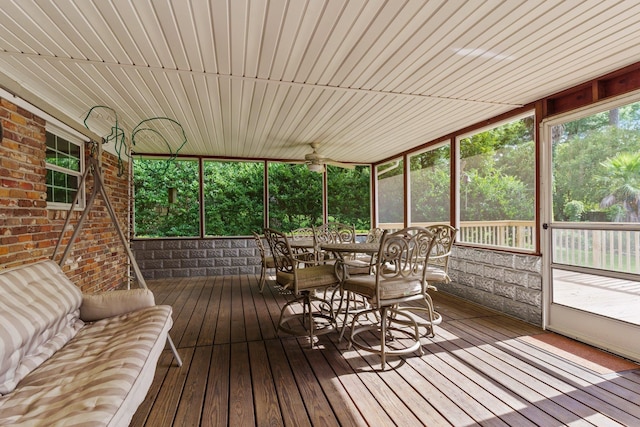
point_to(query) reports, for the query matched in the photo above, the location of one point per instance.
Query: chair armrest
(306, 258)
(108, 304)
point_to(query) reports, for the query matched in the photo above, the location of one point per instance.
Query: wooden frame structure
(93, 167)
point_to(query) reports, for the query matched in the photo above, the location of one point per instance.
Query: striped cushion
(99, 378)
(39, 309)
(108, 304)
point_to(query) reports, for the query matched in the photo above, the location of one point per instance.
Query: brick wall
(29, 230)
(23, 215)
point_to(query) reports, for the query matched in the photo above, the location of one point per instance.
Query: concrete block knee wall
(164, 258)
(508, 283)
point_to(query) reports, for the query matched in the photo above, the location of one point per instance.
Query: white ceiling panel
(367, 79)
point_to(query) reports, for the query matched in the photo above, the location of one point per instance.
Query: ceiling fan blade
(317, 160)
(339, 164)
(314, 157)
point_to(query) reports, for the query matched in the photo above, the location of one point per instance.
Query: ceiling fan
(316, 161)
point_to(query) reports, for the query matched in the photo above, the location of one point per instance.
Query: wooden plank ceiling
(367, 79)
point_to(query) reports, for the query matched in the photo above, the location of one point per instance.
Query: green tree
(494, 197)
(233, 197)
(430, 177)
(622, 178)
(390, 181)
(578, 169)
(295, 196)
(498, 173)
(348, 196)
(574, 210)
(154, 215)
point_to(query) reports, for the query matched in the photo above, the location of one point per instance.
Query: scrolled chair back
(404, 254)
(283, 256)
(374, 235)
(444, 237)
(329, 233)
(334, 232)
(259, 244)
(303, 233)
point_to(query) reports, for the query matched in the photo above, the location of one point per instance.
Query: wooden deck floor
(477, 371)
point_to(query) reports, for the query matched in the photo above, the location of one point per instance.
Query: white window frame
(73, 139)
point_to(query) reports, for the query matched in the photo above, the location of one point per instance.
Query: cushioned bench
(72, 359)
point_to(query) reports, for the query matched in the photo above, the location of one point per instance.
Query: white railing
(609, 249)
(507, 234)
(510, 234)
(603, 247)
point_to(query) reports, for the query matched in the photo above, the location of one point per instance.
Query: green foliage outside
(574, 210)
(233, 197)
(348, 198)
(430, 175)
(622, 179)
(596, 175)
(497, 177)
(390, 181)
(295, 196)
(154, 215)
(596, 162)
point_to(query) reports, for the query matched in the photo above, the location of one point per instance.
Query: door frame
(599, 331)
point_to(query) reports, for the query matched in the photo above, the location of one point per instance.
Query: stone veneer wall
(507, 283)
(164, 258)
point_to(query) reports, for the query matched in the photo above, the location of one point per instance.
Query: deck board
(604, 396)
(237, 370)
(196, 320)
(215, 411)
(192, 398)
(207, 330)
(241, 409)
(285, 384)
(315, 401)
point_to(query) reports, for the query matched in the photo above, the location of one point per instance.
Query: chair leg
(333, 295)
(308, 317)
(383, 337)
(346, 314)
(433, 317)
(353, 328)
(263, 277)
(388, 316)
